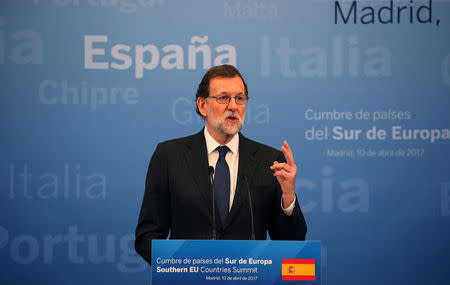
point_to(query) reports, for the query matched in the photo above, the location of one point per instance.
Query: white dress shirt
(232, 159)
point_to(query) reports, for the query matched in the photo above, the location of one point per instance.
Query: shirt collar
(212, 144)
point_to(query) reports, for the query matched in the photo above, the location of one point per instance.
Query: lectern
(235, 262)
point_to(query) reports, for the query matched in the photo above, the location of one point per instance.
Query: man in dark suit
(178, 194)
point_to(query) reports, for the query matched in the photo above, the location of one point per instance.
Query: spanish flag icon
(298, 269)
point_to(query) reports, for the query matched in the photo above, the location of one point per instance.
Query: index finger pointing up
(288, 153)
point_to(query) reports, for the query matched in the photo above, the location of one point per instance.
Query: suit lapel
(197, 163)
(246, 169)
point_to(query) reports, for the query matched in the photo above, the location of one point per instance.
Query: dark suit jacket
(178, 196)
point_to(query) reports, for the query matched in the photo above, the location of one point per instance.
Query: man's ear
(201, 104)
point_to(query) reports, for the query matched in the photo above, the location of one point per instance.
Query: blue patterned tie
(222, 184)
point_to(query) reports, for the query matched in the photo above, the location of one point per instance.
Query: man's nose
(232, 104)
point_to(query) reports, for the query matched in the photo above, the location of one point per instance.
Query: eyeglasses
(225, 99)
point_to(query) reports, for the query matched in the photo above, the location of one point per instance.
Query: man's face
(223, 120)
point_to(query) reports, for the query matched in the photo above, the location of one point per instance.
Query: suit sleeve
(282, 226)
(154, 217)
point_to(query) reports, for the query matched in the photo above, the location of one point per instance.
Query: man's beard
(225, 126)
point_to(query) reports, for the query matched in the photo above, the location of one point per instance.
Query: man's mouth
(232, 119)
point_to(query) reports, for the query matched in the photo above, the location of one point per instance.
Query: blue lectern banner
(267, 262)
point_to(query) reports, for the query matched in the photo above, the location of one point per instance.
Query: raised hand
(286, 173)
